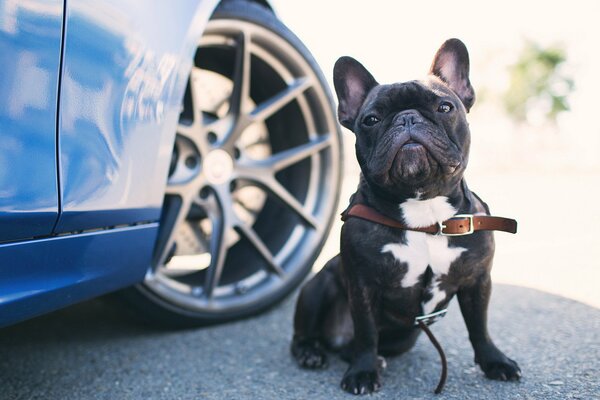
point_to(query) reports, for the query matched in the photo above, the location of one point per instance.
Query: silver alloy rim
(225, 170)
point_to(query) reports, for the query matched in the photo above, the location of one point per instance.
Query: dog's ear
(352, 84)
(451, 64)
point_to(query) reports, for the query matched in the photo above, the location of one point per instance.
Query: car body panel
(124, 72)
(121, 89)
(30, 41)
(44, 275)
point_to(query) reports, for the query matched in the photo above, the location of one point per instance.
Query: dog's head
(412, 138)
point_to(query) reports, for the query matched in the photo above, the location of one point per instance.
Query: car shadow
(94, 320)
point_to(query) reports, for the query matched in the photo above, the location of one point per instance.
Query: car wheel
(254, 179)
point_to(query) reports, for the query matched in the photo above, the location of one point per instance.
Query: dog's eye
(370, 120)
(445, 107)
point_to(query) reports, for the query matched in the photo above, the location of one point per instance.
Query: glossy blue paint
(125, 68)
(30, 39)
(44, 275)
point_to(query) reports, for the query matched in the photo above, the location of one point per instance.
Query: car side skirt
(40, 276)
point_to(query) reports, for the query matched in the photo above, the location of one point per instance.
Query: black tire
(250, 276)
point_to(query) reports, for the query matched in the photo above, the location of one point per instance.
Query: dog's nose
(409, 118)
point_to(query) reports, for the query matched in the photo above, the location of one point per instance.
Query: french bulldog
(412, 145)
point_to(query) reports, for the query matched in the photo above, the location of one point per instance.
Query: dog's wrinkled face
(412, 138)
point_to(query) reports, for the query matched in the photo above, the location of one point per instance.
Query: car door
(30, 53)
(125, 68)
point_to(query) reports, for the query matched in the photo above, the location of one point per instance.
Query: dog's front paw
(505, 370)
(497, 366)
(361, 382)
(309, 354)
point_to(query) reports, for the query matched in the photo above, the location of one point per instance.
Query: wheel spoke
(176, 190)
(237, 118)
(219, 125)
(259, 245)
(269, 183)
(188, 131)
(171, 221)
(196, 135)
(270, 106)
(241, 75)
(285, 158)
(286, 197)
(218, 248)
(195, 131)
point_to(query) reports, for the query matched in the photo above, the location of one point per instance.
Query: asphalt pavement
(94, 351)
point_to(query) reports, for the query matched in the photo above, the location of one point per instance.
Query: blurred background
(535, 126)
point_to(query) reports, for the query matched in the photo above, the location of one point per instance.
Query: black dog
(412, 144)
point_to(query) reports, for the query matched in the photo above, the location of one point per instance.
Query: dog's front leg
(362, 375)
(473, 305)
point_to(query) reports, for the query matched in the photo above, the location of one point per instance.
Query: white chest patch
(422, 250)
(420, 213)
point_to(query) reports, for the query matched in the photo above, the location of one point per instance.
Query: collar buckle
(471, 229)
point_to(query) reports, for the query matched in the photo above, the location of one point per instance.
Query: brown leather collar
(459, 225)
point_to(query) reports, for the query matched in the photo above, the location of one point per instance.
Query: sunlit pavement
(91, 351)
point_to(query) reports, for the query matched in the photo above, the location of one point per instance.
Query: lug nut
(241, 288)
(212, 137)
(191, 162)
(204, 192)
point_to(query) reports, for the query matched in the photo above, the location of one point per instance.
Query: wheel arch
(263, 3)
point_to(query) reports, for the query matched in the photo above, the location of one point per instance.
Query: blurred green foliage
(538, 83)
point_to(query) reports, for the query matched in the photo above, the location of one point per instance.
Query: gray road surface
(92, 351)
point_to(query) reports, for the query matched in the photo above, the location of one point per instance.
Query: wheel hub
(218, 167)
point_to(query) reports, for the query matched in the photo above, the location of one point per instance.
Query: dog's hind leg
(320, 312)
(397, 341)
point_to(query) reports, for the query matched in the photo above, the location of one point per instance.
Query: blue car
(182, 154)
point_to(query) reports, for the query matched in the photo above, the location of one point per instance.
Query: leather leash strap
(457, 225)
(440, 351)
